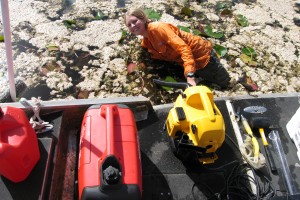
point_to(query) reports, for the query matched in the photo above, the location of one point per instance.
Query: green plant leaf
(226, 12)
(123, 36)
(186, 29)
(221, 51)
(100, 15)
(69, 23)
(201, 30)
(152, 14)
(248, 60)
(52, 47)
(249, 51)
(221, 5)
(209, 31)
(187, 11)
(252, 63)
(242, 20)
(224, 8)
(196, 32)
(168, 79)
(1, 38)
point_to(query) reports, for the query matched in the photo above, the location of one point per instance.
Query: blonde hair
(138, 13)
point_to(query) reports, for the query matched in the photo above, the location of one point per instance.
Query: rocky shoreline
(74, 48)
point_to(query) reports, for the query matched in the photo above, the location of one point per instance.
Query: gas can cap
(111, 175)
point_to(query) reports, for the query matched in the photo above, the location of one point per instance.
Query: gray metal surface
(164, 175)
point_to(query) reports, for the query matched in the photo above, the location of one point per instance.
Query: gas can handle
(108, 112)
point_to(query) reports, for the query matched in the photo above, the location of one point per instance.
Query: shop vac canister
(19, 150)
(109, 164)
(196, 125)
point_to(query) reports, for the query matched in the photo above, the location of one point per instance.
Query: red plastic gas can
(19, 151)
(109, 159)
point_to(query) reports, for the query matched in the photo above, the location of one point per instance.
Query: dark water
(23, 46)
(41, 90)
(122, 3)
(78, 58)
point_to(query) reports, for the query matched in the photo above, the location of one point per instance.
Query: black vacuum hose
(180, 85)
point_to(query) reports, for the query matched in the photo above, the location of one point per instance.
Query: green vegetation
(152, 14)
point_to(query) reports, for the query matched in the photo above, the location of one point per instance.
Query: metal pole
(283, 167)
(8, 48)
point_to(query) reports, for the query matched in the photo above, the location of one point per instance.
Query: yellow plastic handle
(253, 139)
(255, 146)
(263, 136)
(208, 104)
(246, 126)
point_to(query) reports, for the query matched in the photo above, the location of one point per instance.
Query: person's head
(136, 21)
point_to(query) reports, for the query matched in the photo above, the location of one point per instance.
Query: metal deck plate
(167, 177)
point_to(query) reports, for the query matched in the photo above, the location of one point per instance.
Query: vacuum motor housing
(196, 124)
(109, 158)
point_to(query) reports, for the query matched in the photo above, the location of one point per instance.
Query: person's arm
(191, 81)
(170, 36)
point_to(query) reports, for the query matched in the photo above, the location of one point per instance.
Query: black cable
(212, 194)
(238, 182)
(249, 166)
(221, 168)
(270, 191)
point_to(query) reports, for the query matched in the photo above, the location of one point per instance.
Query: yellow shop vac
(194, 125)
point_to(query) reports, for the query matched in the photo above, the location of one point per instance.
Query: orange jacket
(167, 42)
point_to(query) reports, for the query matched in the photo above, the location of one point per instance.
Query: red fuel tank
(19, 151)
(109, 158)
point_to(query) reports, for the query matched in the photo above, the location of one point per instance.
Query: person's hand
(191, 81)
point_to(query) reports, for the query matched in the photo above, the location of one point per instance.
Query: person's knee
(225, 83)
(215, 73)
(222, 78)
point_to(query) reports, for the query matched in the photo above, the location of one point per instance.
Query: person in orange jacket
(166, 42)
